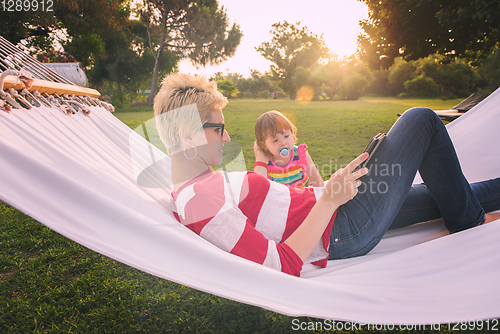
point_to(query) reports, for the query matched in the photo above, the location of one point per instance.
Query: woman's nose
(225, 136)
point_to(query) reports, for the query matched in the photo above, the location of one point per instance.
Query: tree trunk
(154, 81)
(156, 70)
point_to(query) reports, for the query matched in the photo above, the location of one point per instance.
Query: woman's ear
(185, 139)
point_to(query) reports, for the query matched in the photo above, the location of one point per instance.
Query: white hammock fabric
(75, 174)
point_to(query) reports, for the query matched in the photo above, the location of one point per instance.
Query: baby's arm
(261, 157)
(312, 171)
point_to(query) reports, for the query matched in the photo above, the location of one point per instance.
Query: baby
(276, 156)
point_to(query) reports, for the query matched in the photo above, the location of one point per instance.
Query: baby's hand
(259, 154)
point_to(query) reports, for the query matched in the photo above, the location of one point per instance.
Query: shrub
(422, 87)
(264, 94)
(352, 86)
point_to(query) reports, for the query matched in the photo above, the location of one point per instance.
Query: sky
(337, 20)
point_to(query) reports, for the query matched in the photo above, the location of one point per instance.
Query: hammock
(78, 173)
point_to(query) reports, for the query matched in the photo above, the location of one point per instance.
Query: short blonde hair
(174, 106)
(269, 124)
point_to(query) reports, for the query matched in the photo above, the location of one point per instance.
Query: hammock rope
(12, 57)
(22, 92)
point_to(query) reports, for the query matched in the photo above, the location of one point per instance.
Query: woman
(284, 227)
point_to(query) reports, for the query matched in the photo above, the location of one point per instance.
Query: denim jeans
(386, 198)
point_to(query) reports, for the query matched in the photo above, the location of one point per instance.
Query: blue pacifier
(283, 152)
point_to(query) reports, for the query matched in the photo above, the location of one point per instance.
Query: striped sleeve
(210, 208)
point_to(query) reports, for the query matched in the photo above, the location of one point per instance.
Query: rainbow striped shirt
(295, 172)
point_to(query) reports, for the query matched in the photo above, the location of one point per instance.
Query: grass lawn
(50, 284)
(335, 131)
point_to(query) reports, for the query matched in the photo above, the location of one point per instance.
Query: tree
(490, 71)
(290, 48)
(80, 26)
(356, 78)
(99, 34)
(333, 74)
(455, 79)
(422, 86)
(400, 72)
(89, 23)
(193, 29)
(35, 27)
(259, 84)
(427, 77)
(128, 63)
(227, 88)
(414, 29)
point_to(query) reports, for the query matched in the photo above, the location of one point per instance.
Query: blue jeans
(386, 198)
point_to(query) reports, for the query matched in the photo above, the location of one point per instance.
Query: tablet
(372, 147)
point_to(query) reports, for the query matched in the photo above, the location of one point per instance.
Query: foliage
(293, 50)
(346, 78)
(455, 79)
(78, 26)
(353, 86)
(417, 28)
(89, 24)
(427, 77)
(99, 35)
(357, 78)
(333, 75)
(422, 87)
(128, 64)
(490, 71)
(34, 27)
(193, 29)
(227, 88)
(379, 83)
(399, 73)
(259, 86)
(256, 86)
(56, 56)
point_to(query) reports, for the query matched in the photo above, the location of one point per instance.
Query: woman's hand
(341, 188)
(259, 154)
(343, 184)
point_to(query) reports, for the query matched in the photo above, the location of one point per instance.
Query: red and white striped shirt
(250, 216)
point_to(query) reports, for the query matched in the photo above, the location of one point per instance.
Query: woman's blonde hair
(269, 124)
(183, 104)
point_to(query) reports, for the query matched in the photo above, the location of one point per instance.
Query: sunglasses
(216, 125)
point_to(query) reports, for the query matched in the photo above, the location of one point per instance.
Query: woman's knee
(420, 114)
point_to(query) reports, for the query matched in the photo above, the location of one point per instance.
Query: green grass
(50, 284)
(335, 131)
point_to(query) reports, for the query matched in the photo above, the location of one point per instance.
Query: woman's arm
(315, 178)
(260, 156)
(207, 209)
(340, 189)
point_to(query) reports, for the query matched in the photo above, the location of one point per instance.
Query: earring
(195, 153)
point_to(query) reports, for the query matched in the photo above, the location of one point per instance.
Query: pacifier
(283, 152)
